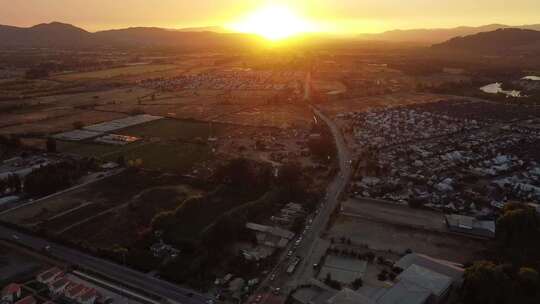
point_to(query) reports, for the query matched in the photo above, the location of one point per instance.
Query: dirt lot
(118, 72)
(398, 228)
(365, 103)
(280, 116)
(394, 214)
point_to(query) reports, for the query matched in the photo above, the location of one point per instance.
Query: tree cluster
(52, 178)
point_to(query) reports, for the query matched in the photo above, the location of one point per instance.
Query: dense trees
(11, 184)
(518, 232)
(487, 283)
(52, 178)
(51, 145)
(514, 278)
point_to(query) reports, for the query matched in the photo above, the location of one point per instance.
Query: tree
(78, 125)
(518, 231)
(485, 283)
(356, 284)
(528, 282)
(51, 145)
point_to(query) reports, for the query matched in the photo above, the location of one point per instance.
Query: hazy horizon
(343, 17)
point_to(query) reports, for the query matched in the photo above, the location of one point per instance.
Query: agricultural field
(172, 129)
(117, 72)
(362, 104)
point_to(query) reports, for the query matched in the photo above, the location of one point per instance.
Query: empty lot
(384, 226)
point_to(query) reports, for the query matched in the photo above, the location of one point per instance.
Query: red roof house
(11, 292)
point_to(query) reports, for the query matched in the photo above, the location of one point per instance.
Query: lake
(496, 88)
(534, 78)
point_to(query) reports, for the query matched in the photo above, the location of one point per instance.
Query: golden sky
(337, 16)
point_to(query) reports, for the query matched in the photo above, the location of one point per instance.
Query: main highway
(311, 238)
(124, 275)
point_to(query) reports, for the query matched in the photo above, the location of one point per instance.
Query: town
(223, 170)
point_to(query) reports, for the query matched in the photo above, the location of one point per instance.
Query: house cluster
(234, 287)
(60, 287)
(228, 80)
(467, 173)
(288, 214)
(383, 128)
(12, 294)
(13, 171)
(162, 250)
(275, 237)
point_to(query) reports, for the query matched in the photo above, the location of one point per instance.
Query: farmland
(117, 72)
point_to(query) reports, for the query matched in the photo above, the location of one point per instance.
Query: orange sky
(338, 16)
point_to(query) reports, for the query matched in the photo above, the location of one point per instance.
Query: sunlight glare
(274, 23)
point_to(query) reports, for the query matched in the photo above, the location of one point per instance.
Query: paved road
(311, 240)
(333, 193)
(127, 276)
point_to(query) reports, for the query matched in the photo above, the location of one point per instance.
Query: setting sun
(274, 23)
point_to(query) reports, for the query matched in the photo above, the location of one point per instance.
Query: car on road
(15, 237)
(290, 253)
(272, 277)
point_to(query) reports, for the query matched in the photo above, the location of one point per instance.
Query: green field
(116, 72)
(167, 156)
(172, 129)
(174, 157)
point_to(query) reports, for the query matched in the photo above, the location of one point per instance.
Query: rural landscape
(269, 160)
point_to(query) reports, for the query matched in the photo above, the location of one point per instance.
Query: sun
(274, 23)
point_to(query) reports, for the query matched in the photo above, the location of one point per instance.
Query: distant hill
(53, 34)
(214, 29)
(61, 35)
(499, 41)
(431, 36)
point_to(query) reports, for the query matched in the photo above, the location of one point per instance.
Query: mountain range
(58, 34)
(504, 40)
(434, 36)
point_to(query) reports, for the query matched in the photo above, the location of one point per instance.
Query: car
(47, 248)
(273, 277)
(15, 237)
(277, 290)
(290, 253)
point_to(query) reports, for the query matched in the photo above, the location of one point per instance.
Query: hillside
(495, 42)
(431, 36)
(53, 34)
(60, 35)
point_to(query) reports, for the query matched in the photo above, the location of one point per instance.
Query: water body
(534, 78)
(496, 88)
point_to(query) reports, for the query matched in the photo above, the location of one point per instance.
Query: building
(273, 237)
(49, 276)
(470, 226)
(11, 292)
(74, 290)
(88, 297)
(348, 296)
(59, 286)
(423, 280)
(450, 269)
(405, 292)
